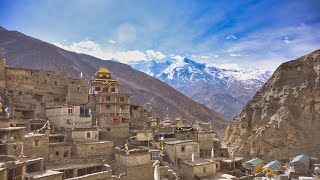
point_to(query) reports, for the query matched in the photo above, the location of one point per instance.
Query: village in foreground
(57, 127)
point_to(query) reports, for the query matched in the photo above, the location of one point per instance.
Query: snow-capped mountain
(224, 90)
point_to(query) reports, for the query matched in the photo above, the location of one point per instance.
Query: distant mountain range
(21, 50)
(224, 90)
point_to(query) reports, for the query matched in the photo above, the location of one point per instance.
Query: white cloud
(94, 49)
(155, 54)
(177, 57)
(111, 41)
(234, 55)
(205, 57)
(231, 37)
(286, 40)
(227, 66)
(216, 55)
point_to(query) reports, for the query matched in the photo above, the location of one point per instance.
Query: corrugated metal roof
(254, 161)
(273, 164)
(303, 159)
(177, 142)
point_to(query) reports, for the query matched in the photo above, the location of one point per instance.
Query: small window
(115, 120)
(108, 106)
(113, 89)
(14, 147)
(108, 98)
(105, 89)
(45, 81)
(57, 153)
(78, 88)
(70, 110)
(91, 147)
(97, 88)
(66, 153)
(204, 169)
(88, 135)
(56, 83)
(36, 142)
(183, 148)
(108, 129)
(121, 98)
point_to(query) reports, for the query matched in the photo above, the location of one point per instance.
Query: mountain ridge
(23, 51)
(229, 89)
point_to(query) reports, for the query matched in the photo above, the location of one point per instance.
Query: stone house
(78, 135)
(300, 165)
(100, 149)
(200, 136)
(230, 164)
(200, 168)
(11, 140)
(69, 117)
(11, 168)
(36, 145)
(47, 87)
(253, 166)
(180, 150)
(136, 163)
(59, 151)
(142, 137)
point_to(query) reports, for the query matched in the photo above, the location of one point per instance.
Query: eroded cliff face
(283, 118)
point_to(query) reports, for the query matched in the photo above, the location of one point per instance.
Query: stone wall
(106, 175)
(95, 149)
(144, 172)
(44, 86)
(82, 135)
(135, 159)
(191, 135)
(117, 133)
(59, 151)
(36, 145)
(12, 149)
(205, 138)
(62, 119)
(176, 153)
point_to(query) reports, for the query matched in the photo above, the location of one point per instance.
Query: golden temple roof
(103, 70)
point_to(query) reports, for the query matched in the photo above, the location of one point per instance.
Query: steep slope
(224, 90)
(20, 50)
(283, 118)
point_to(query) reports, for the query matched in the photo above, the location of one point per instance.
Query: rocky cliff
(283, 118)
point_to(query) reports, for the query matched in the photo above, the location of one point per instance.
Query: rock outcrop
(283, 118)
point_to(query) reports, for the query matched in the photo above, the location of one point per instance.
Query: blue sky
(240, 33)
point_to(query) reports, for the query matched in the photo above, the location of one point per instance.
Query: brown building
(39, 86)
(200, 168)
(69, 117)
(136, 163)
(180, 150)
(110, 108)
